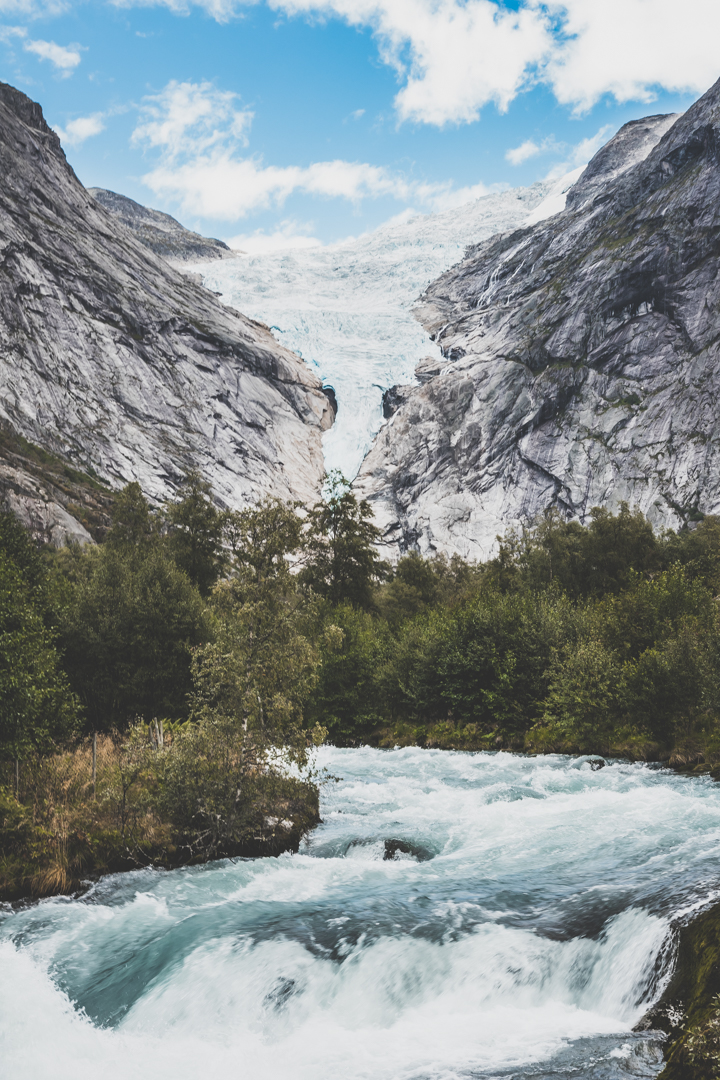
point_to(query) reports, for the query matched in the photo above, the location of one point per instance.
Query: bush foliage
(252, 635)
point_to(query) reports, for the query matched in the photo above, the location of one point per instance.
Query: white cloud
(64, 58)
(629, 48)
(580, 154)
(587, 148)
(222, 186)
(31, 9)
(452, 57)
(7, 33)
(518, 154)
(221, 10)
(77, 131)
(191, 118)
(198, 132)
(357, 114)
(289, 236)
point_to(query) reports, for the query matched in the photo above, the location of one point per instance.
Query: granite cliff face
(582, 357)
(121, 365)
(160, 232)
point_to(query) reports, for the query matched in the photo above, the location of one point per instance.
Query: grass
(59, 827)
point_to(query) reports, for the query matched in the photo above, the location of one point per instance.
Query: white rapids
(455, 915)
(347, 308)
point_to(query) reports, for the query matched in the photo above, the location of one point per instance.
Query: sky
(289, 123)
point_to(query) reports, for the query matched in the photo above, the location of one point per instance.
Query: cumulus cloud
(64, 58)
(289, 236)
(191, 118)
(453, 57)
(518, 154)
(220, 185)
(199, 132)
(77, 131)
(629, 48)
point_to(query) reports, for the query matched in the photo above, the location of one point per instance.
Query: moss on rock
(689, 1009)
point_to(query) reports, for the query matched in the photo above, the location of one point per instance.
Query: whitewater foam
(521, 928)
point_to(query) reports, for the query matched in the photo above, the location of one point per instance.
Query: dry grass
(59, 826)
(153, 801)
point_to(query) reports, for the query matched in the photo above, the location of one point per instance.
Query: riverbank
(70, 818)
(697, 756)
(64, 829)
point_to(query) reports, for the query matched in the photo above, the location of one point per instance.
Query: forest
(161, 692)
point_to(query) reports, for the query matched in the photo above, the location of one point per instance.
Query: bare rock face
(583, 357)
(161, 232)
(37, 507)
(118, 363)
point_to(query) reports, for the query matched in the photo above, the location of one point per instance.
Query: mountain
(582, 357)
(122, 366)
(160, 232)
(347, 308)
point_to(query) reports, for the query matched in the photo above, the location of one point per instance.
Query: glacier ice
(347, 308)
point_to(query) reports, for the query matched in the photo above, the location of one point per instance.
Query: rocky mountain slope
(121, 365)
(56, 503)
(582, 357)
(160, 232)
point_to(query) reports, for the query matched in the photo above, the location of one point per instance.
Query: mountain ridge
(118, 363)
(574, 353)
(160, 232)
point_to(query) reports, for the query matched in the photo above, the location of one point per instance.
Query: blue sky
(304, 121)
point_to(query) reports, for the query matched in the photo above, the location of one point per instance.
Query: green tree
(342, 564)
(195, 534)
(652, 610)
(354, 648)
(262, 538)
(17, 546)
(251, 685)
(582, 702)
(698, 550)
(483, 661)
(126, 629)
(417, 584)
(132, 526)
(616, 546)
(37, 708)
(667, 688)
(259, 670)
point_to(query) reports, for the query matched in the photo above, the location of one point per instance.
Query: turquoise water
(455, 915)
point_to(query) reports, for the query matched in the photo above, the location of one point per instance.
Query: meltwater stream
(456, 915)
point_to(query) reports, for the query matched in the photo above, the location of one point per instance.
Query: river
(455, 915)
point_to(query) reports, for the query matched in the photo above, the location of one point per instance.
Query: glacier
(347, 308)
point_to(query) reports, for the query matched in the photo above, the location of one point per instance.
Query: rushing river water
(519, 928)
